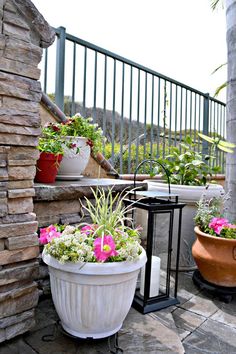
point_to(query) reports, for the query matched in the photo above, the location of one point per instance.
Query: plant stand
(224, 293)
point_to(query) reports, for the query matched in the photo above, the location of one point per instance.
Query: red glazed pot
(215, 258)
(47, 167)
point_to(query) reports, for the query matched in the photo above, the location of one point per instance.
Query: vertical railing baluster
(176, 113)
(145, 119)
(190, 114)
(60, 68)
(186, 113)
(130, 117)
(205, 123)
(95, 89)
(164, 121)
(152, 114)
(199, 122)
(170, 119)
(137, 131)
(73, 81)
(180, 115)
(122, 118)
(104, 101)
(113, 113)
(195, 119)
(158, 117)
(85, 79)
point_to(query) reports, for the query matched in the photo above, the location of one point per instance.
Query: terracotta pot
(47, 167)
(215, 258)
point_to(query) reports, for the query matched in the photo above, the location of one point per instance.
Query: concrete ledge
(72, 190)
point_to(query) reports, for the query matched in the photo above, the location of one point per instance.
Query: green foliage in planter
(50, 144)
(77, 126)
(187, 166)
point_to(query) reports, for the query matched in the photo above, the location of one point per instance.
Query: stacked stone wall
(20, 94)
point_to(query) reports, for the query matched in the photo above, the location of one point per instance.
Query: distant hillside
(136, 130)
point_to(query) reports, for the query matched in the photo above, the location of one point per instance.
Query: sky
(183, 39)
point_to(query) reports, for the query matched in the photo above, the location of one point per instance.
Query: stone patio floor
(199, 324)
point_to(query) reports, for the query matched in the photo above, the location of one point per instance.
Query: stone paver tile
(186, 288)
(201, 305)
(211, 338)
(146, 334)
(182, 333)
(227, 314)
(45, 314)
(187, 320)
(59, 343)
(165, 317)
(16, 346)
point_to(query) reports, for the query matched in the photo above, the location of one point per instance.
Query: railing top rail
(112, 55)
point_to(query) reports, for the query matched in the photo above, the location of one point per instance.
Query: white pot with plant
(189, 173)
(81, 137)
(94, 268)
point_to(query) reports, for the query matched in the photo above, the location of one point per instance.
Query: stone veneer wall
(23, 33)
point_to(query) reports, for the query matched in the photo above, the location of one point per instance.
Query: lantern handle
(156, 162)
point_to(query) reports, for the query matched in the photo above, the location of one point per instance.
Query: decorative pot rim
(183, 186)
(217, 239)
(68, 137)
(96, 267)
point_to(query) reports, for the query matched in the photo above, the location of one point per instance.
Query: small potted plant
(81, 138)
(214, 250)
(94, 268)
(51, 153)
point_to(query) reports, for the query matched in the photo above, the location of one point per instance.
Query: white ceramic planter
(93, 299)
(189, 195)
(73, 164)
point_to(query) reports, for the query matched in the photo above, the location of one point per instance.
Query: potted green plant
(189, 172)
(81, 138)
(51, 153)
(94, 268)
(214, 250)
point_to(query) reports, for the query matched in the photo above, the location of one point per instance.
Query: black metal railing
(142, 113)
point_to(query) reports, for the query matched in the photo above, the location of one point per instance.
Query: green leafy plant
(217, 143)
(187, 166)
(50, 144)
(78, 126)
(106, 239)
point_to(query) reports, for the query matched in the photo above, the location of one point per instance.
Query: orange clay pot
(215, 258)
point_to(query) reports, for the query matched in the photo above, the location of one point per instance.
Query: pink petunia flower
(104, 250)
(48, 233)
(87, 229)
(217, 224)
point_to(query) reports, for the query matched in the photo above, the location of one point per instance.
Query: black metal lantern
(151, 295)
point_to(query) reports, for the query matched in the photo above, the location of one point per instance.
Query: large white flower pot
(73, 164)
(93, 299)
(189, 195)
